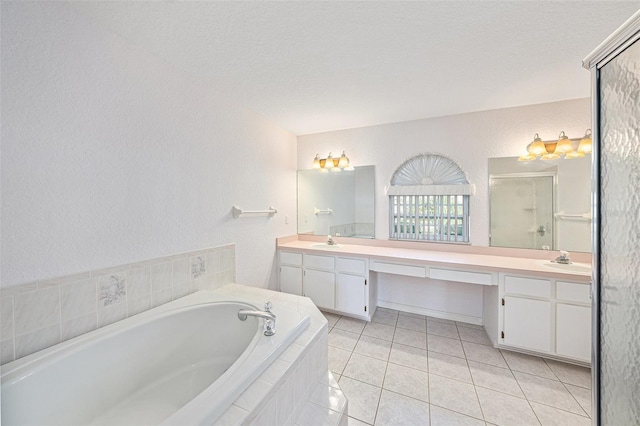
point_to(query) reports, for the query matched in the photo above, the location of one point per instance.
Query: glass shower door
(619, 240)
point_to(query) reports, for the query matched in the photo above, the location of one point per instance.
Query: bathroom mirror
(540, 204)
(337, 203)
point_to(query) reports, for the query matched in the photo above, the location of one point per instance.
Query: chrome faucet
(563, 258)
(330, 241)
(268, 316)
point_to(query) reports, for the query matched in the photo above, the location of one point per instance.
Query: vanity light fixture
(331, 163)
(561, 148)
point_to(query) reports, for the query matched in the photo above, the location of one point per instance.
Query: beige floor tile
(407, 381)
(409, 356)
(548, 392)
(395, 409)
(495, 378)
(366, 369)
(410, 338)
(443, 417)
(363, 399)
(332, 319)
(484, 354)
(383, 317)
(444, 345)
(582, 395)
(550, 416)
(449, 366)
(338, 359)
(380, 331)
(528, 364)
(350, 324)
(474, 335)
(571, 374)
(454, 395)
(506, 410)
(469, 325)
(355, 422)
(343, 339)
(442, 329)
(412, 323)
(375, 348)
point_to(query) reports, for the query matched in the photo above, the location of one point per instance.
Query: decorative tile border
(41, 314)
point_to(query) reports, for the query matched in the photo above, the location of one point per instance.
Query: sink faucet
(330, 241)
(268, 316)
(563, 258)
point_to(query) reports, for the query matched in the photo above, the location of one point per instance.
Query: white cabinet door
(291, 279)
(351, 294)
(527, 323)
(573, 331)
(320, 286)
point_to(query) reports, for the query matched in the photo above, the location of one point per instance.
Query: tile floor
(406, 369)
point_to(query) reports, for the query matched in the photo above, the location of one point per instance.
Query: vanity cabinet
(334, 283)
(546, 316)
(527, 313)
(573, 311)
(290, 272)
(319, 286)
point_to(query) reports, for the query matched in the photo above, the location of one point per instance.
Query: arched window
(429, 200)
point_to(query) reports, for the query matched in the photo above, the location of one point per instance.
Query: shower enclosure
(615, 67)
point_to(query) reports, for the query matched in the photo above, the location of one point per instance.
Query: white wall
(468, 139)
(110, 156)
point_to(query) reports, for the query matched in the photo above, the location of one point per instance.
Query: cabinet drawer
(527, 286)
(484, 278)
(573, 292)
(399, 269)
(352, 266)
(320, 262)
(291, 258)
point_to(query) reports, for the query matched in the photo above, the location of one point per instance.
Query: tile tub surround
(297, 388)
(37, 315)
(410, 369)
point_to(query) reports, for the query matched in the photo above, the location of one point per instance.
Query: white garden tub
(182, 363)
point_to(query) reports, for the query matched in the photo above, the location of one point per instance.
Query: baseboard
(436, 314)
(543, 355)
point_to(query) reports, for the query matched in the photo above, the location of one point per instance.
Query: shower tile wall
(37, 315)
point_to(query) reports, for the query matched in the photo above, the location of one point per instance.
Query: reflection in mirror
(540, 204)
(338, 204)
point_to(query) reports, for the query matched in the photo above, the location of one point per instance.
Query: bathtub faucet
(268, 316)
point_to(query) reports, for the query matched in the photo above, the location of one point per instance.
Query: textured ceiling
(320, 66)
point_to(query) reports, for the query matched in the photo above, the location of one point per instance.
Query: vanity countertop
(468, 261)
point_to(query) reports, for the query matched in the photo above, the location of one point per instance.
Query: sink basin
(572, 267)
(326, 246)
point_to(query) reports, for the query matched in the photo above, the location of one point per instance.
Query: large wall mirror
(340, 204)
(540, 204)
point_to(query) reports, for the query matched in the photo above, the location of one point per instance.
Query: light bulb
(537, 146)
(329, 163)
(564, 145)
(586, 144)
(344, 161)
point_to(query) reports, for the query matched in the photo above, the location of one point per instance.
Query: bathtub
(182, 363)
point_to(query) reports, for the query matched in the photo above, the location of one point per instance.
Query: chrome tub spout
(268, 316)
